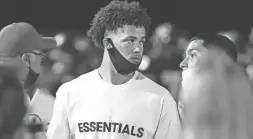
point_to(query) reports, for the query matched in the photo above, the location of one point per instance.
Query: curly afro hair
(115, 15)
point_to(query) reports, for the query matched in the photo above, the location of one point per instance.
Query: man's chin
(135, 61)
(188, 73)
(188, 76)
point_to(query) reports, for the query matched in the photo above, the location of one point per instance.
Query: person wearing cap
(21, 50)
(217, 94)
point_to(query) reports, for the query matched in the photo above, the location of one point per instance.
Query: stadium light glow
(60, 39)
(145, 63)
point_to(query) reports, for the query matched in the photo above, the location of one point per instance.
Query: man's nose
(183, 64)
(138, 49)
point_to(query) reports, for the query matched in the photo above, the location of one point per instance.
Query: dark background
(193, 15)
(72, 18)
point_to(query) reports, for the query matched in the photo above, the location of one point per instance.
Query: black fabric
(121, 64)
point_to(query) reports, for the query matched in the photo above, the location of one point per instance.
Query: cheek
(206, 63)
(38, 61)
(36, 64)
(199, 62)
(194, 62)
(125, 49)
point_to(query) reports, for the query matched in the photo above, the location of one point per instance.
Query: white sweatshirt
(90, 108)
(39, 110)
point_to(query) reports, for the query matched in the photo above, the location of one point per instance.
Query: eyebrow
(133, 37)
(190, 50)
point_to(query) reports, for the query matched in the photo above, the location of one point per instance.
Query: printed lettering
(86, 127)
(126, 129)
(110, 127)
(107, 127)
(80, 127)
(99, 126)
(132, 131)
(140, 132)
(120, 126)
(92, 126)
(114, 126)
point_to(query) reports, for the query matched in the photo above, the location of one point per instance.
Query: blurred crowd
(210, 103)
(164, 50)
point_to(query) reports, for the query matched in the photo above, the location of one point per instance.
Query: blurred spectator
(163, 52)
(168, 44)
(77, 55)
(12, 106)
(251, 36)
(21, 51)
(74, 56)
(245, 56)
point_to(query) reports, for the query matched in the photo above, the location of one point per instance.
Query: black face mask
(121, 64)
(31, 78)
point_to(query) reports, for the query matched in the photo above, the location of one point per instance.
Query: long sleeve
(169, 123)
(59, 127)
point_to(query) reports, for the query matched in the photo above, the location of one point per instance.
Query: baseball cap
(220, 41)
(18, 38)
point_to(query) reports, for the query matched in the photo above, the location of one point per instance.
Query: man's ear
(107, 43)
(26, 59)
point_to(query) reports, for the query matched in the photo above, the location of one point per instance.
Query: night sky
(196, 16)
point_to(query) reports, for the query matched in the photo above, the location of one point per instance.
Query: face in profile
(129, 41)
(216, 94)
(36, 57)
(197, 73)
(197, 58)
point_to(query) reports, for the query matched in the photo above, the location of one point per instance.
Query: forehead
(195, 44)
(129, 30)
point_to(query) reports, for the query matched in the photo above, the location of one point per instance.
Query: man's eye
(130, 41)
(142, 42)
(192, 55)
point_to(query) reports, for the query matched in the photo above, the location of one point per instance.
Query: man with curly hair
(115, 101)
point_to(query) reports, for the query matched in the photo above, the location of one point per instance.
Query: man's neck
(109, 74)
(31, 91)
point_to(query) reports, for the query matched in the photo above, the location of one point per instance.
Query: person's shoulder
(157, 89)
(150, 84)
(82, 79)
(78, 81)
(169, 103)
